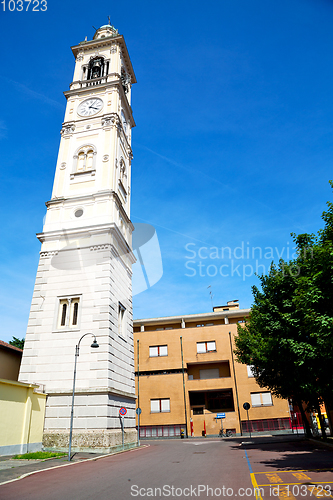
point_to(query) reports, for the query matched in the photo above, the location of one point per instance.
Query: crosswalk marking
(284, 492)
(300, 475)
(274, 478)
(319, 492)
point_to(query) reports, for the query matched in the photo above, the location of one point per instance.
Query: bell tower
(83, 282)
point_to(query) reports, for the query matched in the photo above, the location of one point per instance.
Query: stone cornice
(93, 197)
(103, 390)
(86, 232)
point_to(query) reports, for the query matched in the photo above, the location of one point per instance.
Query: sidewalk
(11, 469)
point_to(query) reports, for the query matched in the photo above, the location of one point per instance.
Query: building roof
(194, 317)
(9, 346)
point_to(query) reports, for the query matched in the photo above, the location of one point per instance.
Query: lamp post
(77, 350)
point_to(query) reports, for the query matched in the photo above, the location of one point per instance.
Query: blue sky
(233, 146)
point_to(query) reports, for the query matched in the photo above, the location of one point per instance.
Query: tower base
(93, 441)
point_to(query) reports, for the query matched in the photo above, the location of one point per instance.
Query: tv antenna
(211, 296)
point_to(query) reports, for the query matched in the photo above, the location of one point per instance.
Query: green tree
(17, 342)
(289, 335)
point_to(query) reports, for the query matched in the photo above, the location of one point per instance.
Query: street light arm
(78, 344)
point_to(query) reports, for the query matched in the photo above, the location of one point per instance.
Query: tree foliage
(17, 342)
(289, 335)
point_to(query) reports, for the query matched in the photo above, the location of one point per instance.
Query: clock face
(90, 107)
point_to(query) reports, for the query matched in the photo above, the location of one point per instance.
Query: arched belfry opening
(96, 68)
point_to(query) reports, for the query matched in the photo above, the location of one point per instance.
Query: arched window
(63, 314)
(81, 162)
(122, 172)
(124, 122)
(75, 312)
(68, 316)
(84, 160)
(90, 159)
(122, 179)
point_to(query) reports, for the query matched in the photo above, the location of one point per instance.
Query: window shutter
(155, 405)
(201, 347)
(163, 350)
(211, 346)
(266, 398)
(255, 399)
(165, 404)
(153, 351)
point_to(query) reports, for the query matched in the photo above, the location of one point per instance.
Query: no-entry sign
(122, 411)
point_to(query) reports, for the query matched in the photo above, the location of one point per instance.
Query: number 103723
(24, 5)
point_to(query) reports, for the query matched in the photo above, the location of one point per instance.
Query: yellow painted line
(285, 493)
(299, 470)
(274, 478)
(319, 493)
(300, 475)
(256, 488)
(295, 484)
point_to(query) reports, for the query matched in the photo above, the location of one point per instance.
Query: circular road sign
(122, 411)
(246, 406)
(138, 411)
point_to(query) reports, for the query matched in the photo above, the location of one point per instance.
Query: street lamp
(77, 349)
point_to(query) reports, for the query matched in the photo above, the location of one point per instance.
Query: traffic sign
(220, 415)
(122, 411)
(246, 406)
(138, 411)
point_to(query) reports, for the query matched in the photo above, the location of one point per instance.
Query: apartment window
(121, 320)
(261, 399)
(158, 350)
(250, 370)
(159, 405)
(68, 315)
(206, 346)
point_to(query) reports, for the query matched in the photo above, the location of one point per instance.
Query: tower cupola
(105, 31)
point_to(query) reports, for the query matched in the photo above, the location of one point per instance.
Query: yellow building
(22, 409)
(22, 406)
(187, 377)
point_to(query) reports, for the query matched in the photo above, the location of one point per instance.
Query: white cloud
(33, 93)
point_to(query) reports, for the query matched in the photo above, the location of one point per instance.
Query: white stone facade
(83, 281)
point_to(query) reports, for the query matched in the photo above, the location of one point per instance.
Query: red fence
(270, 424)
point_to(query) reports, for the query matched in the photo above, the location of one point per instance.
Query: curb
(323, 444)
(74, 463)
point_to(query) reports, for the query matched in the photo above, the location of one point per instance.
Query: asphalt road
(208, 468)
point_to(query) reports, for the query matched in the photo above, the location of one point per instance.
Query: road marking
(253, 479)
(300, 475)
(319, 493)
(274, 478)
(326, 469)
(285, 493)
(295, 484)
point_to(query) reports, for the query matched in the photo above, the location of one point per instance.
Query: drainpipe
(138, 394)
(236, 390)
(181, 350)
